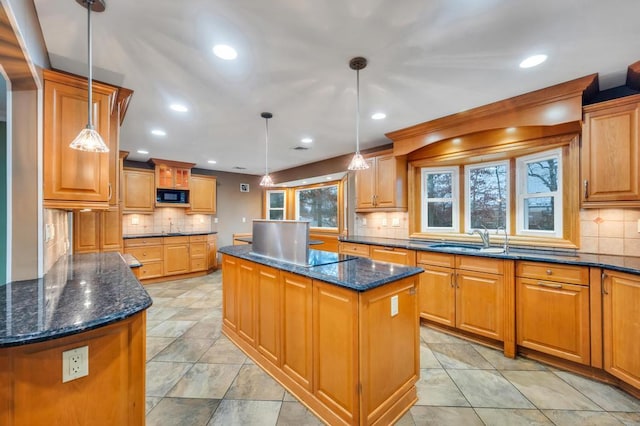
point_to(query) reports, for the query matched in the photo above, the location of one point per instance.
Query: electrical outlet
(394, 305)
(364, 221)
(638, 225)
(75, 363)
(395, 222)
(215, 220)
(244, 220)
(135, 220)
(384, 221)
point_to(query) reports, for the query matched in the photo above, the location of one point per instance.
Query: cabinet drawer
(436, 259)
(480, 264)
(150, 270)
(354, 249)
(553, 272)
(198, 249)
(198, 264)
(176, 240)
(145, 254)
(197, 238)
(393, 255)
(140, 242)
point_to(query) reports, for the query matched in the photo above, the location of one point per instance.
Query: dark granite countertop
(630, 264)
(355, 273)
(81, 292)
(167, 234)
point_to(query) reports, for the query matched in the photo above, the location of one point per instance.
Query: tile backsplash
(165, 220)
(602, 231)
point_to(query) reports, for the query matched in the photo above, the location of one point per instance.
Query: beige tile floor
(195, 376)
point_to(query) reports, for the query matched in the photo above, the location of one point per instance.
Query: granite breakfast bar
(86, 300)
(341, 334)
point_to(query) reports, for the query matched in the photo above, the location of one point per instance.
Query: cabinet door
(138, 191)
(366, 186)
(212, 252)
(86, 231)
(202, 195)
(165, 176)
(176, 259)
(621, 320)
(246, 305)
(296, 330)
(111, 230)
(181, 178)
(553, 318)
(269, 323)
(74, 178)
(335, 346)
(479, 303)
(437, 295)
(230, 291)
(610, 152)
(390, 182)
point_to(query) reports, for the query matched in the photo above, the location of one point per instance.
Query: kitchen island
(341, 334)
(90, 301)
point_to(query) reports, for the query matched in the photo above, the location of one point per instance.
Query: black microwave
(173, 196)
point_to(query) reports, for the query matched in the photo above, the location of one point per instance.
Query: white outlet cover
(384, 221)
(364, 221)
(395, 222)
(75, 363)
(394, 305)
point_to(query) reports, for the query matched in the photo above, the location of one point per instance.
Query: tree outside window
(318, 205)
(275, 204)
(487, 195)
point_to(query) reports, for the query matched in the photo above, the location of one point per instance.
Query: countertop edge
(174, 234)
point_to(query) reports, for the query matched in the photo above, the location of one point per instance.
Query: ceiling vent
(300, 148)
(239, 168)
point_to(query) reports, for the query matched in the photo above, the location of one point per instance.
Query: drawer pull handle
(550, 285)
(452, 280)
(549, 272)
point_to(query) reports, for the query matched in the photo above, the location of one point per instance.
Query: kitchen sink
(467, 248)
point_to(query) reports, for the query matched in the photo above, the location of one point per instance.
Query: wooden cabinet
(212, 251)
(552, 310)
(268, 313)
(610, 153)
(177, 259)
(383, 186)
(150, 252)
(297, 357)
(621, 322)
(464, 292)
(198, 253)
(354, 249)
(138, 191)
(74, 178)
(246, 285)
(230, 267)
(172, 174)
(202, 197)
(97, 231)
(393, 255)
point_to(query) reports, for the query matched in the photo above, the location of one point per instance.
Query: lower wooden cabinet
(150, 252)
(437, 300)
(230, 267)
(354, 249)
(621, 321)
(97, 230)
(269, 313)
(198, 253)
(177, 259)
(246, 285)
(212, 252)
(393, 255)
(552, 310)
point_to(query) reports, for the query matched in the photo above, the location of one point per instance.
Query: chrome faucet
(484, 235)
(506, 238)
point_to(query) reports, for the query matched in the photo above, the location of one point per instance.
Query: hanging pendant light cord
(266, 147)
(90, 73)
(357, 111)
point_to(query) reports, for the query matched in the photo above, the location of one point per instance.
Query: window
(440, 199)
(487, 195)
(318, 205)
(276, 204)
(540, 194)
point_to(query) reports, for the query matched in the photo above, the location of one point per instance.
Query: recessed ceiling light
(510, 129)
(306, 140)
(225, 52)
(304, 181)
(142, 151)
(212, 161)
(158, 132)
(328, 177)
(456, 140)
(532, 61)
(179, 107)
(379, 116)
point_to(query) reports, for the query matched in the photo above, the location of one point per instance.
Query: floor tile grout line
(578, 390)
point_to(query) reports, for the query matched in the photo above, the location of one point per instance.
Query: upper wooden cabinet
(609, 155)
(138, 191)
(97, 231)
(74, 179)
(383, 186)
(202, 197)
(172, 174)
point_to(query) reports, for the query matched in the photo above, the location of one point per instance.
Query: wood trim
(15, 62)
(530, 109)
(170, 163)
(509, 328)
(595, 306)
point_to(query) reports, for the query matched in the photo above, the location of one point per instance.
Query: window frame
(467, 195)
(268, 207)
(522, 194)
(455, 199)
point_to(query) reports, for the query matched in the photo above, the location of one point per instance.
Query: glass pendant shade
(358, 162)
(266, 181)
(89, 140)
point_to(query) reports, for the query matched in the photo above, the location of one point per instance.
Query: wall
(57, 244)
(610, 231)
(382, 224)
(164, 220)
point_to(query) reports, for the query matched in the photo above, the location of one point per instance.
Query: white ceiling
(427, 59)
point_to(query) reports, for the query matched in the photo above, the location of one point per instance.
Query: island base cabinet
(113, 393)
(346, 355)
(621, 321)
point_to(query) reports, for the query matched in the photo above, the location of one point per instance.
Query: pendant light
(89, 139)
(266, 179)
(358, 162)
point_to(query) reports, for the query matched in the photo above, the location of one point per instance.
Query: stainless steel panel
(286, 240)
